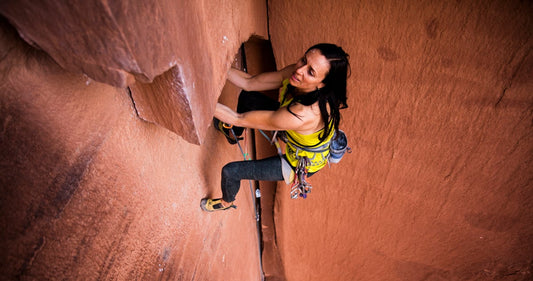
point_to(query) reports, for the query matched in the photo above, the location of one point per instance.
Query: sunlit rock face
(121, 43)
(438, 186)
(90, 191)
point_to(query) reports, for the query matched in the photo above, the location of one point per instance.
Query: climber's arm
(301, 119)
(261, 82)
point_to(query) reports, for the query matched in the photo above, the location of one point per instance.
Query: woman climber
(311, 93)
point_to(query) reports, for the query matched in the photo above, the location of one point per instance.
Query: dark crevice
(257, 56)
(502, 95)
(128, 90)
(256, 200)
(268, 20)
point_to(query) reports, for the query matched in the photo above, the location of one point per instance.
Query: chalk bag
(338, 146)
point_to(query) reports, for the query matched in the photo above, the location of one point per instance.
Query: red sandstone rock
(119, 41)
(438, 186)
(91, 192)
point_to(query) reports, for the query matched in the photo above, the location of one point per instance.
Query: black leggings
(268, 169)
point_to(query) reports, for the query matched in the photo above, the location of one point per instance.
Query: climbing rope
(254, 197)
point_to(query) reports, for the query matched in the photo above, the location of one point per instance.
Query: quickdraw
(300, 186)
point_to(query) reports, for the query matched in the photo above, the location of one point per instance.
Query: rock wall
(90, 191)
(122, 43)
(438, 186)
(439, 183)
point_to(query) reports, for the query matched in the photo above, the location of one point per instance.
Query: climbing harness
(331, 151)
(299, 184)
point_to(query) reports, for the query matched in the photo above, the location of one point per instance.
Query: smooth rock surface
(439, 183)
(89, 191)
(438, 186)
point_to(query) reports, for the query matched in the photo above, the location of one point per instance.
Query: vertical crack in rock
(267, 21)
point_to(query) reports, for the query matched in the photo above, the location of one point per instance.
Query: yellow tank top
(309, 146)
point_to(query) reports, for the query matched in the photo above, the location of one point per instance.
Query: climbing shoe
(226, 130)
(210, 205)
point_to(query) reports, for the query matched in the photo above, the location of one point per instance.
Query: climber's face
(310, 71)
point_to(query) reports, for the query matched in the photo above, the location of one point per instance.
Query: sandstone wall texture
(101, 104)
(90, 191)
(124, 43)
(439, 184)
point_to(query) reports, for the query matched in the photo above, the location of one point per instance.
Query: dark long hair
(334, 91)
